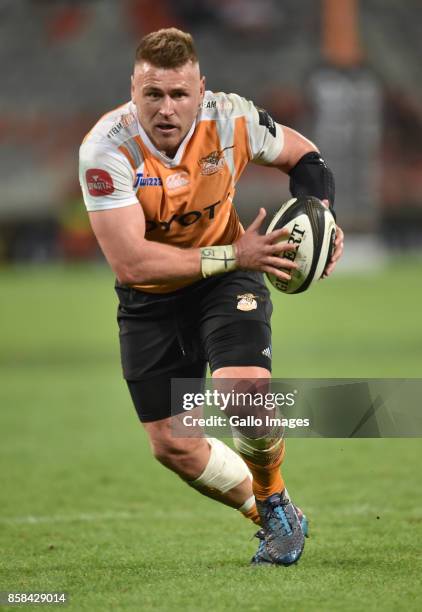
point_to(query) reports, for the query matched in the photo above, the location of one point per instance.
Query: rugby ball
(312, 227)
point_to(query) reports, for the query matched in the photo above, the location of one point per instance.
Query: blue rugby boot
(282, 537)
(304, 523)
(261, 556)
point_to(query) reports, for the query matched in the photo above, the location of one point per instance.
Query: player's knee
(246, 389)
(242, 382)
(171, 451)
(163, 449)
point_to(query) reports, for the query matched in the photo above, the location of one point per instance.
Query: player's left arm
(309, 175)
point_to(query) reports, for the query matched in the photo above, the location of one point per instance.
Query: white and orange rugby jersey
(187, 200)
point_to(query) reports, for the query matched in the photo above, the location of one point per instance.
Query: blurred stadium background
(345, 73)
(79, 487)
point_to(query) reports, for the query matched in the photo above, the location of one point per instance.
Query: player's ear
(202, 87)
(132, 88)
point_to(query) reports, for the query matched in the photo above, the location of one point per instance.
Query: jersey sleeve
(106, 178)
(266, 138)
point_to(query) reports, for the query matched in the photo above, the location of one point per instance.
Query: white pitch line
(355, 510)
(82, 517)
(89, 517)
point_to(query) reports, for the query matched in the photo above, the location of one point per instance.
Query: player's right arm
(118, 222)
(135, 260)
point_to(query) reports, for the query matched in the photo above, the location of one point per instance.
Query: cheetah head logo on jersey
(214, 162)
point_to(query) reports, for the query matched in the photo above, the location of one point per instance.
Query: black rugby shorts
(223, 321)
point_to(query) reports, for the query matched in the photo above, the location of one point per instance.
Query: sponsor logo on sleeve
(267, 121)
(99, 182)
(209, 104)
(213, 104)
(124, 122)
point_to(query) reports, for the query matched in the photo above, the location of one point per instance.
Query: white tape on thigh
(225, 469)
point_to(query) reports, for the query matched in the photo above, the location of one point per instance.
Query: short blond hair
(166, 48)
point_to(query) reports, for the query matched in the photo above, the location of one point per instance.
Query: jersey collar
(169, 162)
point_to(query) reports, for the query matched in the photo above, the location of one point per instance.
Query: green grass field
(86, 510)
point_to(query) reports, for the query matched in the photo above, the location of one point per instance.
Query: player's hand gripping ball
(312, 228)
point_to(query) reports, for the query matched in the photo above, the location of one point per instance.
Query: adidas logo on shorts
(267, 352)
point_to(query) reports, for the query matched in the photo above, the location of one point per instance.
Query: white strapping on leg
(225, 469)
(248, 504)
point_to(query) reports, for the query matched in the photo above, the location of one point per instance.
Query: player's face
(167, 101)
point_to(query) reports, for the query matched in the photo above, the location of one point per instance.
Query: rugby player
(158, 177)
